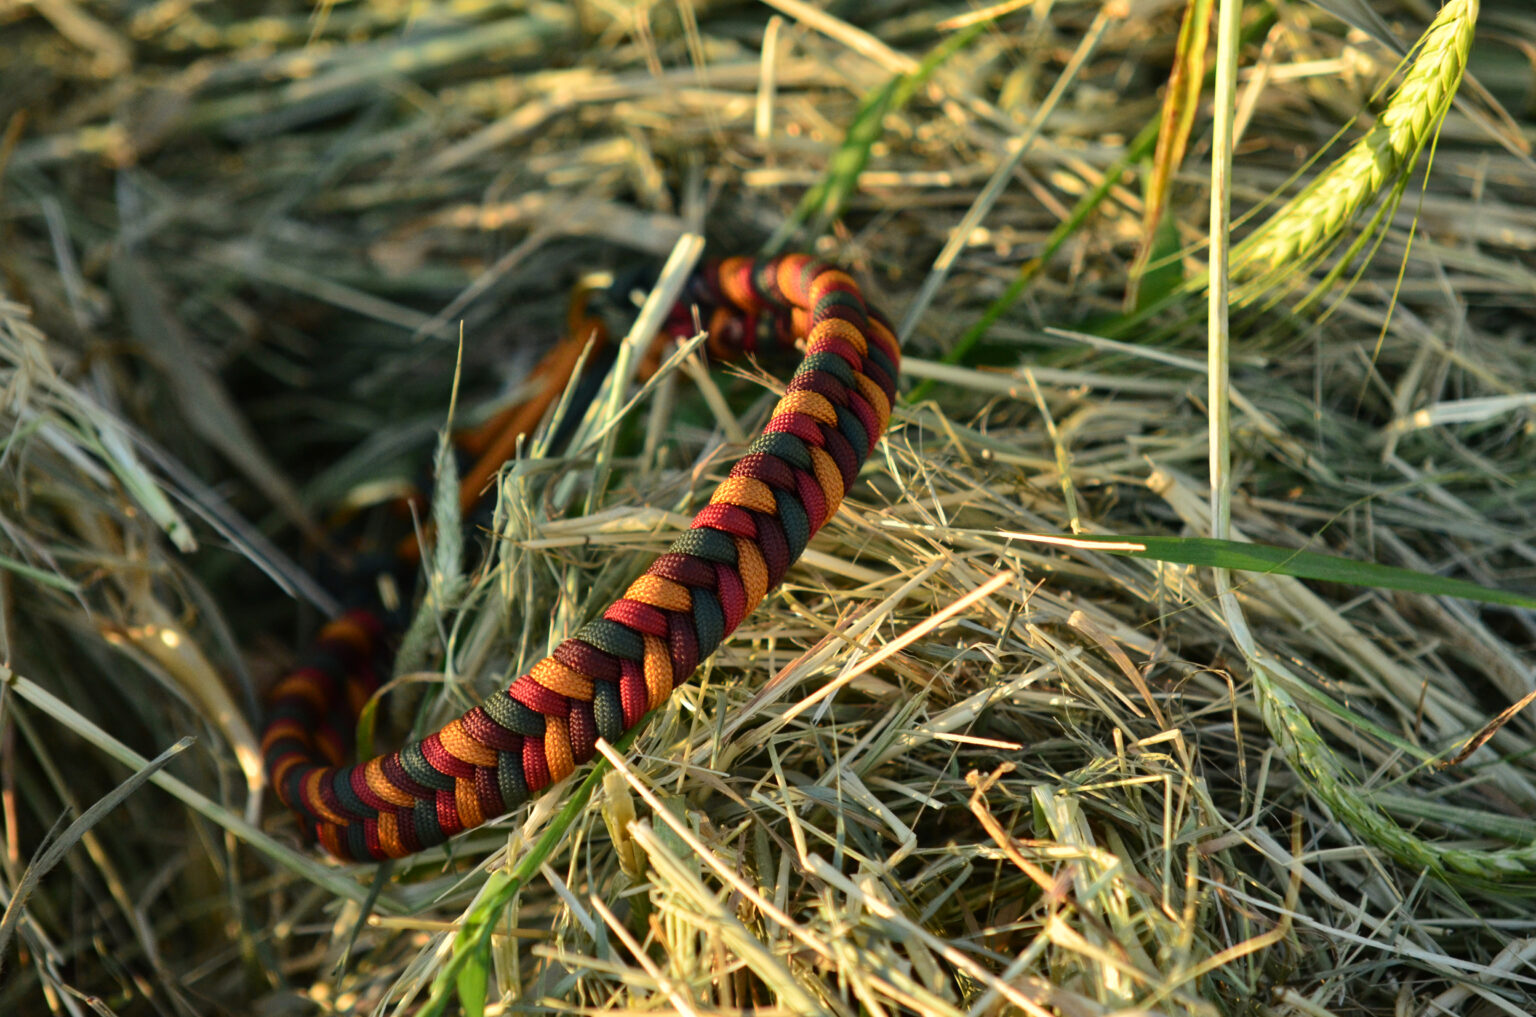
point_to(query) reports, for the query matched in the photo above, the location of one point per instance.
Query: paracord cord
(617, 668)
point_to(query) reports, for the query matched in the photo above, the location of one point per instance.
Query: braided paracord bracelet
(617, 668)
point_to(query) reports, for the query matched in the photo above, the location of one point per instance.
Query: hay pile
(949, 768)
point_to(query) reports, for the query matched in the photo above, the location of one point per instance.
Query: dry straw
(947, 769)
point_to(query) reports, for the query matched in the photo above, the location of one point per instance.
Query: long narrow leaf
(55, 849)
(1284, 561)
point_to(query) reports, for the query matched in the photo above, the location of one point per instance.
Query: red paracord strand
(617, 668)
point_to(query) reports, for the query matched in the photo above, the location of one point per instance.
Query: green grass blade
(36, 575)
(828, 197)
(331, 879)
(55, 848)
(1180, 104)
(1163, 273)
(467, 973)
(1140, 148)
(1266, 558)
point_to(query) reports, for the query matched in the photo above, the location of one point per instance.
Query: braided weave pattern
(617, 668)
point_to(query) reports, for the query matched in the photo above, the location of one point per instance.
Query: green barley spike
(1308, 225)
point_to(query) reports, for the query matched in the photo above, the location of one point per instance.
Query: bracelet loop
(620, 666)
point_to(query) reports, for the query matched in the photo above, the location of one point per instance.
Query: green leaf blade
(1240, 556)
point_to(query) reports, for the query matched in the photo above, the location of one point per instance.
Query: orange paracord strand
(603, 680)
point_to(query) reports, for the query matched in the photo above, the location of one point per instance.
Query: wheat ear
(1309, 225)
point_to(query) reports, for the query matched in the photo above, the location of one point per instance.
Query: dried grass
(947, 769)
